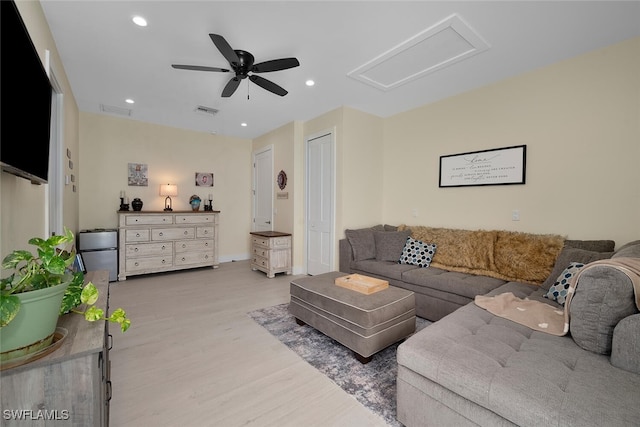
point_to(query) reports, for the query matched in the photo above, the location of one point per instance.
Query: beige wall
(23, 206)
(580, 121)
(173, 156)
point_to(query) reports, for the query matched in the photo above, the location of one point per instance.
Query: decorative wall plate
(282, 180)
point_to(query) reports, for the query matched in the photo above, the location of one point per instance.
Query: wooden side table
(271, 252)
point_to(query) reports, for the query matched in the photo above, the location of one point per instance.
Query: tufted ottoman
(363, 323)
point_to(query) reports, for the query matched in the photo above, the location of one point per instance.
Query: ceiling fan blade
(225, 49)
(268, 85)
(199, 68)
(231, 87)
(275, 65)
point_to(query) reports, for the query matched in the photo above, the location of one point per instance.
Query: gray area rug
(373, 384)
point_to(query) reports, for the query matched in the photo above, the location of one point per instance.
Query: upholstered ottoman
(363, 323)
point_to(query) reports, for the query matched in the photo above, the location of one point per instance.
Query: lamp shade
(168, 190)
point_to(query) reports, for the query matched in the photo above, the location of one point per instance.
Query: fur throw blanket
(543, 317)
(506, 255)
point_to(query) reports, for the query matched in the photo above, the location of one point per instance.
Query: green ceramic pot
(33, 327)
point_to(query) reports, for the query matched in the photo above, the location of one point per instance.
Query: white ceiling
(108, 59)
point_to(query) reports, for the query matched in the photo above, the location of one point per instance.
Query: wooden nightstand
(271, 252)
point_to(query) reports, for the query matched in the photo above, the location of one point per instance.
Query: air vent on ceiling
(206, 110)
(445, 43)
(115, 110)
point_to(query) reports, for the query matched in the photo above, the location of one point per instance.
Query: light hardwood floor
(193, 357)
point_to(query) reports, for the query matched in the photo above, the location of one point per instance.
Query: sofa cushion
(386, 269)
(389, 244)
(464, 284)
(417, 252)
(603, 297)
(625, 350)
(528, 377)
(558, 291)
(362, 242)
(569, 255)
(591, 245)
(631, 249)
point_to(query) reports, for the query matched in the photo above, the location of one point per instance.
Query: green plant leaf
(89, 294)
(9, 308)
(94, 313)
(71, 298)
(12, 260)
(124, 325)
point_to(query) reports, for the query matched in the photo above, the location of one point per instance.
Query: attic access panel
(441, 45)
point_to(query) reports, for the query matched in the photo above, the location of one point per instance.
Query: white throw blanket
(543, 317)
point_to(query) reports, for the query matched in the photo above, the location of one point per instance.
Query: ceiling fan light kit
(242, 64)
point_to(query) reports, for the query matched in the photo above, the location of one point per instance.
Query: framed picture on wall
(138, 174)
(204, 179)
(498, 166)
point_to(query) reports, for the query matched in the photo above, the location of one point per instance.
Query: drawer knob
(135, 250)
(183, 259)
(137, 234)
(206, 257)
(163, 247)
(206, 231)
(161, 234)
(184, 246)
(186, 232)
(206, 243)
(163, 261)
(137, 264)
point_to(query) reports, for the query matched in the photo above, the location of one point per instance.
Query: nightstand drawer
(202, 232)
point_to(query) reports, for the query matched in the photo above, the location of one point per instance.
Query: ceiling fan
(241, 63)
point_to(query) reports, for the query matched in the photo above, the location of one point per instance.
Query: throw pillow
(568, 255)
(389, 244)
(417, 252)
(362, 242)
(558, 291)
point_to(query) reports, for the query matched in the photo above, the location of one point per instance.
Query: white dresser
(152, 242)
(271, 252)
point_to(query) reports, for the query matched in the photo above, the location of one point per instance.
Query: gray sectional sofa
(471, 367)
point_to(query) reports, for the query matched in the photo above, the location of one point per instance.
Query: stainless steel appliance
(99, 249)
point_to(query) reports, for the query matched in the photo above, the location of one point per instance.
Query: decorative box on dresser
(69, 386)
(152, 242)
(271, 252)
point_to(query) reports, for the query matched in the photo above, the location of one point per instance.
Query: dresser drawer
(194, 219)
(187, 258)
(149, 249)
(203, 232)
(173, 233)
(149, 263)
(148, 219)
(137, 235)
(194, 245)
(281, 242)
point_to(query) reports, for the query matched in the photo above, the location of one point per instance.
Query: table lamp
(168, 190)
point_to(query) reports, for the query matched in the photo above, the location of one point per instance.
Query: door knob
(267, 222)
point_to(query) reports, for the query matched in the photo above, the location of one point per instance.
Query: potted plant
(41, 287)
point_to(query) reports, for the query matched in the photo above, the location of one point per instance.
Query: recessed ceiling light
(140, 21)
(243, 125)
(309, 82)
(129, 101)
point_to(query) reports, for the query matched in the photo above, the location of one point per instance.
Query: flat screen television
(25, 100)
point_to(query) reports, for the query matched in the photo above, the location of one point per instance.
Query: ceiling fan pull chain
(248, 90)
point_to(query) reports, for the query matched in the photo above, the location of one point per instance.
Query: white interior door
(263, 189)
(320, 203)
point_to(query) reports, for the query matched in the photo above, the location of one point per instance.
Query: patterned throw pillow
(558, 291)
(416, 252)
